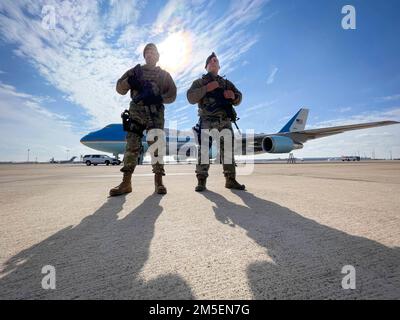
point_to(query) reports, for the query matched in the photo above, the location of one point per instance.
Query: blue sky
(58, 84)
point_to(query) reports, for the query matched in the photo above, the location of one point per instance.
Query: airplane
(291, 137)
(62, 161)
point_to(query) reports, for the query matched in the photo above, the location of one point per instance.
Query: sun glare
(175, 51)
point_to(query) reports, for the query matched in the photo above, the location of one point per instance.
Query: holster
(132, 125)
(197, 133)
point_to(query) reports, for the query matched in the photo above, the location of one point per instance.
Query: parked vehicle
(96, 159)
(351, 158)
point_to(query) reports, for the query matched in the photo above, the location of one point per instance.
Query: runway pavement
(287, 237)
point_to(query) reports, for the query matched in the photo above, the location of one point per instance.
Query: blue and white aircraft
(292, 136)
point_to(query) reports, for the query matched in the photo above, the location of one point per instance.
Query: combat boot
(124, 187)
(159, 187)
(231, 183)
(201, 184)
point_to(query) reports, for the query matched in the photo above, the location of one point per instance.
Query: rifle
(146, 92)
(221, 101)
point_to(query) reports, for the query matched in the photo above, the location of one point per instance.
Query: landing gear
(141, 155)
(116, 157)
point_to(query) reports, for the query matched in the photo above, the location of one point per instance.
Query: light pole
(28, 154)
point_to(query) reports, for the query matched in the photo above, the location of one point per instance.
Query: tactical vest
(214, 104)
(156, 76)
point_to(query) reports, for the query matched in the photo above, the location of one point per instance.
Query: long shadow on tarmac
(99, 258)
(308, 257)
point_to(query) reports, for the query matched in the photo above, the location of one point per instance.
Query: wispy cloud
(185, 107)
(252, 110)
(25, 123)
(375, 134)
(370, 116)
(91, 46)
(261, 105)
(271, 77)
(393, 97)
(344, 109)
(268, 17)
(29, 101)
(121, 13)
(381, 140)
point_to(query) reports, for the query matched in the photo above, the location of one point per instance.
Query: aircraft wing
(305, 135)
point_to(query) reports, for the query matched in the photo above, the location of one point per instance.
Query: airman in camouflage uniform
(215, 118)
(149, 113)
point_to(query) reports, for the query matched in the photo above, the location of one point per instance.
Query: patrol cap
(209, 58)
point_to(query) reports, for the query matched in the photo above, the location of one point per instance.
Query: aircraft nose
(84, 139)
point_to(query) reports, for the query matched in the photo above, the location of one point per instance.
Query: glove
(134, 83)
(152, 99)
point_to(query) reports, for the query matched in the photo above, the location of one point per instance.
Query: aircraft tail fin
(297, 123)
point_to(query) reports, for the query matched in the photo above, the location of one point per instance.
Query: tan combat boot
(231, 183)
(159, 187)
(124, 187)
(201, 184)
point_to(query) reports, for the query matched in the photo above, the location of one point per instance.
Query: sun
(175, 51)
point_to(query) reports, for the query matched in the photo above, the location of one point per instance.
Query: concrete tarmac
(287, 237)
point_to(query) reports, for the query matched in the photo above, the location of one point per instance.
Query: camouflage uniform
(152, 117)
(215, 119)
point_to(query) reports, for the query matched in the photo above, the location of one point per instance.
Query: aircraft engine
(279, 144)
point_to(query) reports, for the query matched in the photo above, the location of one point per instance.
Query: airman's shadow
(101, 258)
(308, 257)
